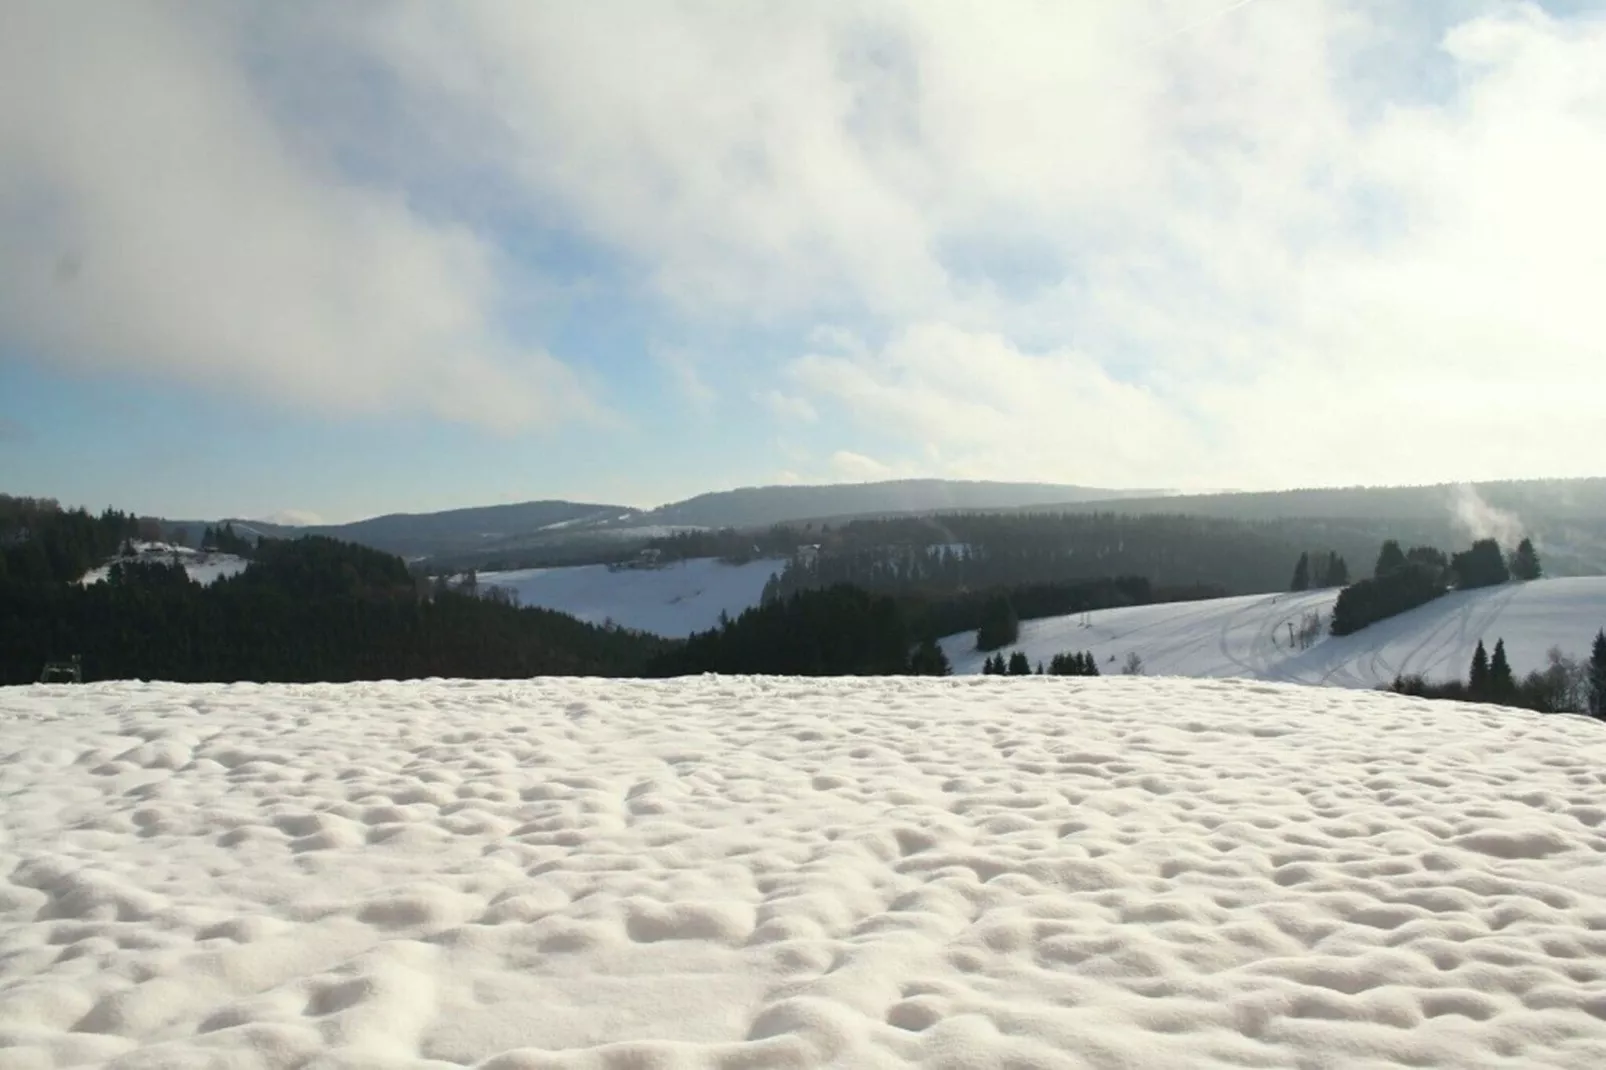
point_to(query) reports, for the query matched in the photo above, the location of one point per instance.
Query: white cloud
(1175, 242)
(157, 220)
(790, 407)
(1218, 234)
(857, 468)
(988, 410)
(687, 378)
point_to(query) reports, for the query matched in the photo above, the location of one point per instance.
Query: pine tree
(1525, 562)
(1000, 625)
(1019, 664)
(929, 660)
(1301, 574)
(1478, 680)
(1597, 676)
(1502, 684)
(1482, 566)
(1391, 559)
(1337, 571)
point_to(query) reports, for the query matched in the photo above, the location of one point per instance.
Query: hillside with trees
(1564, 685)
(1402, 581)
(310, 609)
(975, 551)
(839, 631)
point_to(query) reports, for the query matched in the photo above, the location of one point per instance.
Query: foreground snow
(1248, 636)
(1112, 873)
(673, 601)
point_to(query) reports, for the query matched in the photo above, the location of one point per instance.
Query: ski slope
(711, 874)
(673, 601)
(1249, 636)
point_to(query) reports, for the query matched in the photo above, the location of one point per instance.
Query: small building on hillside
(651, 557)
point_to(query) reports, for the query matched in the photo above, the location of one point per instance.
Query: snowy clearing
(1248, 636)
(1116, 873)
(673, 601)
(203, 566)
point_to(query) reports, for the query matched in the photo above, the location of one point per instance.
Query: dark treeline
(1018, 664)
(839, 631)
(933, 616)
(845, 630)
(730, 545)
(40, 542)
(1563, 686)
(225, 540)
(311, 609)
(1380, 597)
(961, 552)
(1403, 580)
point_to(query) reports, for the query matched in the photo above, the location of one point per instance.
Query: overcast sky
(339, 259)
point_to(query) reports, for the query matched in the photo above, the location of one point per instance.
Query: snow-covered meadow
(1116, 873)
(673, 601)
(202, 566)
(1248, 637)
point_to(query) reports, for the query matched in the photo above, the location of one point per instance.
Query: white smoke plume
(1484, 521)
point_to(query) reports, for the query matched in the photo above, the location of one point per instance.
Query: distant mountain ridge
(1569, 515)
(501, 527)
(417, 534)
(763, 506)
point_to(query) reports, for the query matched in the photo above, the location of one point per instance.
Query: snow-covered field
(203, 566)
(1117, 873)
(1248, 637)
(673, 601)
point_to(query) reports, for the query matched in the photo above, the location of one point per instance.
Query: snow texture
(1248, 637)
(673, 601)
(203, 566)
(1117, 874)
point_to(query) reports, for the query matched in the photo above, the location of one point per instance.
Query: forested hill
(971, 551)
(310, 609)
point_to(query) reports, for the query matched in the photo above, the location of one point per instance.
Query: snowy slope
(673, 601)
(1248, 636)
(700, 874)
(203, 566)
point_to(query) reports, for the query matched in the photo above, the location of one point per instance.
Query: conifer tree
(929, 660)
(1391, 559)
(1301, 574)
(1482, 566)
(1000, 625)
(1502, 684)
(1337, 571)
(1525, 562)
(1478, 680)
(1019, 664)
(1597, 676)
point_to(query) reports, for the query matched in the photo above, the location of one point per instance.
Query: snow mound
(1249, 637)
(749, 872)
(673, 601)
(203, 566)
